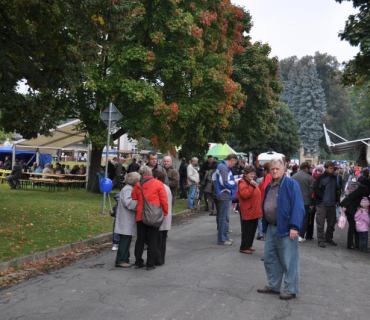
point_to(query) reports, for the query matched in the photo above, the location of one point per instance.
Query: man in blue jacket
(226, 190)
(283, 212)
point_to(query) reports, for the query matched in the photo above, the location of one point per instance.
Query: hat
(116, 197)
(365, 202)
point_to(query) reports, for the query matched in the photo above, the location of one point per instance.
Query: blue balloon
(106, 185)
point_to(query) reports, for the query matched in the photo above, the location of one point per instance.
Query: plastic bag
(342, 220)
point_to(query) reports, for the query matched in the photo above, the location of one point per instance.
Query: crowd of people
(275, 204)
(151, 185)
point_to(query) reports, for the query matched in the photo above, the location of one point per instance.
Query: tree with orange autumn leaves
(167, 65)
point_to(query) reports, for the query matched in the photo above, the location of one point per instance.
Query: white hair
(276, 160)
(145, 171)
(194, 159)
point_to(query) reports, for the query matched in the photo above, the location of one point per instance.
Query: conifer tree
(306, 99)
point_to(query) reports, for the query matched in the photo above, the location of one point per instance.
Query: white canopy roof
(346, 146)
(62, 137)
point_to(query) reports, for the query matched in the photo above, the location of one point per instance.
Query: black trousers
(148, 235)
(123, 252)
(311, 224)
(328, 214)
(249, 228)
(352, 232)
(161, 248)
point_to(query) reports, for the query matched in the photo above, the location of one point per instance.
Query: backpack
(352, 186)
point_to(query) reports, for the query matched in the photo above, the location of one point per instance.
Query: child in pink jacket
(362, 224)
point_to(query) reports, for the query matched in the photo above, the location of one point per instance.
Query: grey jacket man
(305, 182)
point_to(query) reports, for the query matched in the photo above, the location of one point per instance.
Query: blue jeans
(259, 227)
(192, 194)
(223, 220)
(363, 240)
(281, 258)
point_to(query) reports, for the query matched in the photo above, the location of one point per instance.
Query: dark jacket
(133, 167)
(17, 171)
(183, 170)
(366, 182)
(7, 165)
(305, 182)
(290, 207)
(326, 189)
(352, 202)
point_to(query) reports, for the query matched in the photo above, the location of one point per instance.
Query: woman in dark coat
(350, 205)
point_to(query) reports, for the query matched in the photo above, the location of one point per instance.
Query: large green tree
(258, 75)
(164, 64)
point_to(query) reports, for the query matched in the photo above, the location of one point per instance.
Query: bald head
(167, 162)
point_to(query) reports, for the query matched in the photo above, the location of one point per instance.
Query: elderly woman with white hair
(126, 220)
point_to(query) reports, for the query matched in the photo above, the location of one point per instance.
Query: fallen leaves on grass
(32, 269)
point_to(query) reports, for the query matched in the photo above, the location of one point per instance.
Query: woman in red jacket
(156, 194)
(249, 197)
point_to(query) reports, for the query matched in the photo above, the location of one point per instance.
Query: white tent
(61, 137)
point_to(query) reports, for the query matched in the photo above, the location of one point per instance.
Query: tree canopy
(306, 99)
(165, 64)
(356, 32)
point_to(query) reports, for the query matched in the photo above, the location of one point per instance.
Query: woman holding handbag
(249, 197)
(150, 194)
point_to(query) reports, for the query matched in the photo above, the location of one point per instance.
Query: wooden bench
(51, 183)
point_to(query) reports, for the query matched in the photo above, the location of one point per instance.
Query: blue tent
(28, 156)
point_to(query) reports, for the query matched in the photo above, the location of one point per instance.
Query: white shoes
(301, 239)
(115, 247)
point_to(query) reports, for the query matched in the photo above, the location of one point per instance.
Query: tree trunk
(186, 152)
(95, 163)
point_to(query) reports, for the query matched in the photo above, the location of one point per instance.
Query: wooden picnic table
(52, 175)
(75, 175)
(54, 180)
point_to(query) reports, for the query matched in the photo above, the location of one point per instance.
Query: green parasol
(221, 151)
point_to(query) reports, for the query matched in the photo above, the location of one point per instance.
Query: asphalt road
(200, 280)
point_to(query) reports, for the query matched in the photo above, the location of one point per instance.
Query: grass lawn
(35, 219)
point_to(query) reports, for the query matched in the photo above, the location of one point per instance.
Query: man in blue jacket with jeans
(226, 190)
(283, 212)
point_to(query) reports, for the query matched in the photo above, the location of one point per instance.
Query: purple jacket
(362, 220)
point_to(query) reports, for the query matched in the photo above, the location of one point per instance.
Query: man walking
(173, 177)
(193, 181)
(327, 194)
(305, 181)
(226, 190)
(283, 212)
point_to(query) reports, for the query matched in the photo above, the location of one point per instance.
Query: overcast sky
(300, 27)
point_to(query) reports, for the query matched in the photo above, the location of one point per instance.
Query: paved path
(200, 280)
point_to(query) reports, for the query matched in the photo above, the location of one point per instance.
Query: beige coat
(167, 222)
(126, 213)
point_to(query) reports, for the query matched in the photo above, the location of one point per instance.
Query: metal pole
(89, 147)
(107, 154)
